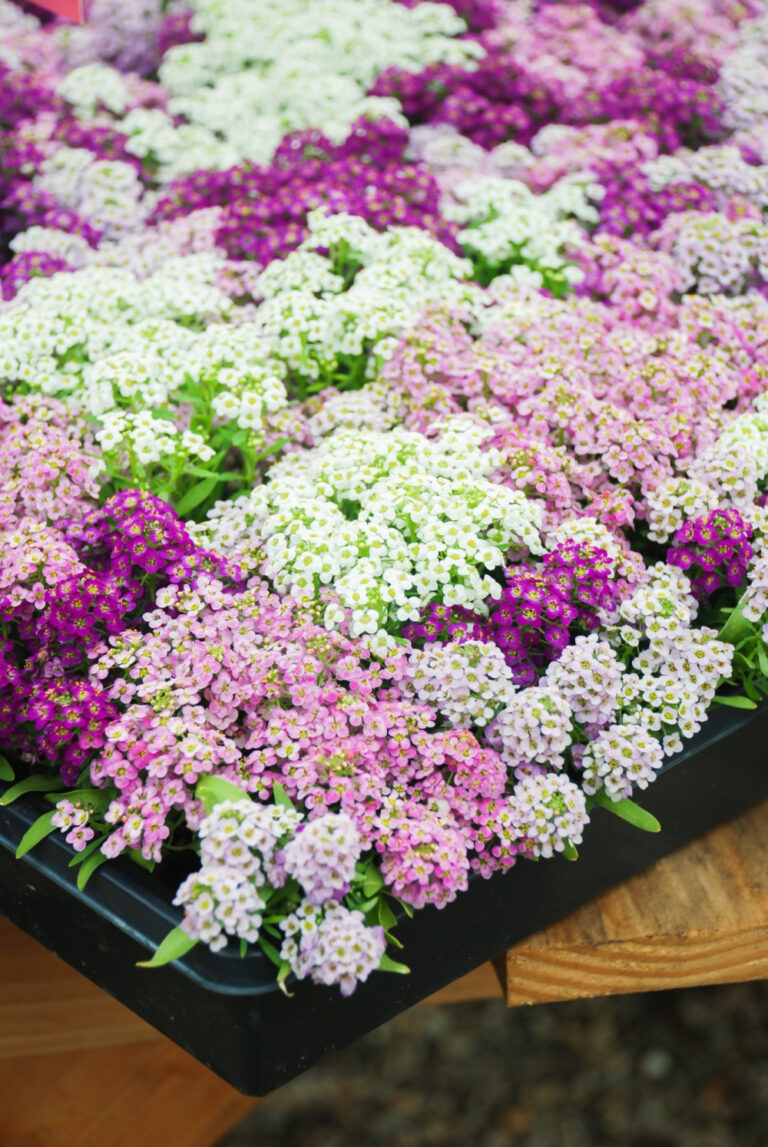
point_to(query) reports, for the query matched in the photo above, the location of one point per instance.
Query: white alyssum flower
(314, 325)
(390, 521)
(535, 727)
(176, 149)
(673, 502)
(61, 244)
(147, 439)
(663, 607)
(92, 86)
(721, 167)
(621, 758)
(743, 80)
(108, 193)
(732, 468)
(467, 682)
(238, 840)
(504, 221)
(263, 70)
(588, 674)
(108, 341)
(549, 811)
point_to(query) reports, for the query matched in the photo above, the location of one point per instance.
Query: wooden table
(79, 1068)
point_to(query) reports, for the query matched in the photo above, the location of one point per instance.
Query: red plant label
(69, 9)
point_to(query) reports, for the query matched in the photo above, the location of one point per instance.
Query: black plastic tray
(227, 1011)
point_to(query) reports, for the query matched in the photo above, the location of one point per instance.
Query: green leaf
(280, 796)
(752, 691)
(762, 658)
(175, 945)
(134, 855)
(630, 812)
(570, 852)
(283, 973)
(387, 964)
(213, 790)
(202, 471)
(272, 449)
(88, 867)
(372, 882)
(735, 627)
(96, 797)
(36, 832)
(79, 857)
(222, 475)
(387, 918)
(6, 772)
(243, 949)
(270, 952)
(736, 702)
(36, 784)
(197, 494)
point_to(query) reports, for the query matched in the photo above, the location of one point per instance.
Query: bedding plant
(384, 454)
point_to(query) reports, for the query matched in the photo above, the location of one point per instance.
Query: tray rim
(213, 970)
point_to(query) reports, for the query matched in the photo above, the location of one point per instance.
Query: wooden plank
(484, 983)
(79, 1068)
(699, 916)
(141, 1095)
(46, 1006)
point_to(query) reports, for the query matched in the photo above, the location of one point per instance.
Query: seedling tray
(228, 1012)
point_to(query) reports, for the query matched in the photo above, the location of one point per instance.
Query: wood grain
(80, 1069)
(141, 1095)
(46, 1006)
(484, 983)
(699, 916)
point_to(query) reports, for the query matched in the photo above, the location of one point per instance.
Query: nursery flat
(383, 483)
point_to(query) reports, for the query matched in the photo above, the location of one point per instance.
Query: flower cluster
(532, 615)
(549, 811)
(563, 66)
(322, 857)
(714, 550)
(263, 210)
(49, 468)
(63, 590)
(621, 758)
(534, 729)
(508, 230)
(237, 845)
(73, 819)
(384, 436)
(714, 253)
(389, 521)
(467, 681)
(334, 946)
(262, 72)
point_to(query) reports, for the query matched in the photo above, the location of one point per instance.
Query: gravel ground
(670, 1069)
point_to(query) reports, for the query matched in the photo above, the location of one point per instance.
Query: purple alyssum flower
(714, 550)
(537, 610)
